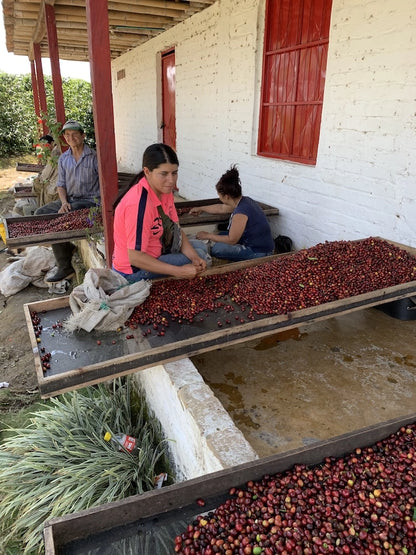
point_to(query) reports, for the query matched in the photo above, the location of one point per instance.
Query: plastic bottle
(123, 442)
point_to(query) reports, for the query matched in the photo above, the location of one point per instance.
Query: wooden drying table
(186, 220)
(23, 191)
(78, 360)
(32, 168)
(134, 524)
(44, 238)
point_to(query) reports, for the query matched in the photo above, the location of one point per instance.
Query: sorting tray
(78, 360)
(44, 238)
(148, 523)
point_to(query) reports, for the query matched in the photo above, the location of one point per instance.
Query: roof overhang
(131, 23)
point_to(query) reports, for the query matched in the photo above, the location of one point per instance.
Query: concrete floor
(318, 381)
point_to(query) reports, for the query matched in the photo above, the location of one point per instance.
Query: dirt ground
(16, 358)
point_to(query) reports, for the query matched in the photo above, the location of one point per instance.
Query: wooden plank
(158, 504)
(182, 340)
(24, 195)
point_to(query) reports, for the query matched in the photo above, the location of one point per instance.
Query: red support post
(54, 57)
(100, 66)
(35, 91)
(41, 85)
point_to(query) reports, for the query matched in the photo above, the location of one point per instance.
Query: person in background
(148, 241)
(77, 186)
(248, 234)
(44, 186)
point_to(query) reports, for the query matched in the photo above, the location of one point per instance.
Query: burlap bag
(104, 301)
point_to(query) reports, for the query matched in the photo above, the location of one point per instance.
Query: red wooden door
(168, 99)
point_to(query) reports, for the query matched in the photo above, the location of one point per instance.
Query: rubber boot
(63, 256)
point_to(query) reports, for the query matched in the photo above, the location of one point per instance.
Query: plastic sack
(104, 301)
(31, 268)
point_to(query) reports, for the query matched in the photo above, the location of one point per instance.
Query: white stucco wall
(364, 180)
(202, 436)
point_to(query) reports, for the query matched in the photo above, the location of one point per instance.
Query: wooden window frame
(293, 79)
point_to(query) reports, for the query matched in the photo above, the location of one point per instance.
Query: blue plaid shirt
(80, 179)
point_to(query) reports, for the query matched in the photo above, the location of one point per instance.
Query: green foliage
(19, 128)
(61, 464)
(17, 115)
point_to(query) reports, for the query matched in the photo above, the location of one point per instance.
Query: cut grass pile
(60, 463)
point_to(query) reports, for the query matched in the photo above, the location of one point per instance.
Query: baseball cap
(73, 124)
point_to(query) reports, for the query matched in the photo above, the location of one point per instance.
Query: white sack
(104, 301)
(32, 268)
(38, 261)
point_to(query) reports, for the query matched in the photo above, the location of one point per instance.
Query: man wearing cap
(78, 187)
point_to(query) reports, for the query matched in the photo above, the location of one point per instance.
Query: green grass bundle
(60, 463)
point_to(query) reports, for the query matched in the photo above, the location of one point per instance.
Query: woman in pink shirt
(148, 241)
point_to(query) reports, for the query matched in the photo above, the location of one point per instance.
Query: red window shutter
(294, 65)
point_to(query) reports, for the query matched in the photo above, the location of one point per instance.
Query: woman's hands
(200, 264)
(195, 211)
(202, 235)
(189, 271)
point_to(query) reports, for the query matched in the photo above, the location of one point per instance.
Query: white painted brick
(367, 151)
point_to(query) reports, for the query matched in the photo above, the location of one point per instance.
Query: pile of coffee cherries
(182, 211)
(45, 357)
(360, 504)
(326, 272)
(77, 219)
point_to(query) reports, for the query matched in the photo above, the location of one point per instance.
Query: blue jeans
(235, 253)
(175, 259)
(54, 206)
